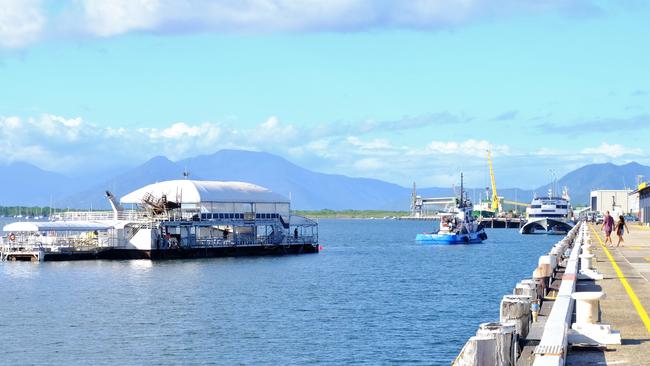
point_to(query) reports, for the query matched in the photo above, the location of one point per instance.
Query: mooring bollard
(586, 329)
(585, 261)
(587, 306)
(516, 308)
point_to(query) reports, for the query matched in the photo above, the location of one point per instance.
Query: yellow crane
(495, 197)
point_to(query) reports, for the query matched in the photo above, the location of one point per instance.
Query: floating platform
(176, 253)
(210, 219)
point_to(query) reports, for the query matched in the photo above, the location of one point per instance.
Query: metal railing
(131, 215)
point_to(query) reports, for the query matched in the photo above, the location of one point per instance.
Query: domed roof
(197, 191)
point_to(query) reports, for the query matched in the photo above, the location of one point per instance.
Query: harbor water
(372, 296)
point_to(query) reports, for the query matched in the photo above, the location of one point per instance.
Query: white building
(616, 201)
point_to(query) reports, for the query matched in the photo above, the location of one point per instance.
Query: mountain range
(29, 185)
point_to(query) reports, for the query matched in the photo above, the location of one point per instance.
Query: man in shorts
(608, 225)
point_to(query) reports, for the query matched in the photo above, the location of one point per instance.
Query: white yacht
(550, 215)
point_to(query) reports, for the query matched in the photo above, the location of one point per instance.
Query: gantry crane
(495, 197)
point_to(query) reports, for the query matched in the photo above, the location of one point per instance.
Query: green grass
(349, 214)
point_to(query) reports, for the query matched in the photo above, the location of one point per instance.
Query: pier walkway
(626, 306)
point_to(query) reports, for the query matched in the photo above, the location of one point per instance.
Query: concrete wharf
(586, 304)
(626, 282)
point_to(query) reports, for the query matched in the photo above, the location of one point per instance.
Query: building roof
(38, 226)
(197, 191)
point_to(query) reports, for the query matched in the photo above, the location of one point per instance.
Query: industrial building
(643, 195)
(615, 201)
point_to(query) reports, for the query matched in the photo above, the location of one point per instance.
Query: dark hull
(181, 253)
(546, 226)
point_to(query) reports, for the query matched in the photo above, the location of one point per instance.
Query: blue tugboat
(458, 227)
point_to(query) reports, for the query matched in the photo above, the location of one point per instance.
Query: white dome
(197, 191)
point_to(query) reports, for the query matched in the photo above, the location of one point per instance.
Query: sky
(401, 91)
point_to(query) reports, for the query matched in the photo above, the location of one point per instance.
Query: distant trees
(28, 211)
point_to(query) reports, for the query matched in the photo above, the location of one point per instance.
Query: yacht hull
(546, 226)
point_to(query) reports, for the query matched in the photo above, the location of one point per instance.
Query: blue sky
(400, 91)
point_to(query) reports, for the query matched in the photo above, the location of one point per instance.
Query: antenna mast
(462, 203)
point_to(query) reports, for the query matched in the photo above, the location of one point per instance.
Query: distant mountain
(23, 184)
(29, 185)
(308, 189)
(154, 170)
(598, 176)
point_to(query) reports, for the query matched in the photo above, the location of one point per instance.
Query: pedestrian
(608, 225)
(621, 226)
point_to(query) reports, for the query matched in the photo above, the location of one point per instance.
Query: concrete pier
(594, 305)
(626, 282)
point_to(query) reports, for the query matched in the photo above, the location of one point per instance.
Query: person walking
(621, 227)
(608, 225)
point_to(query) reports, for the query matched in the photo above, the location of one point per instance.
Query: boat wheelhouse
(171, 219)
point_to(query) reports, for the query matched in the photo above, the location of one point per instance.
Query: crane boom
(515, 203)
(495, 197)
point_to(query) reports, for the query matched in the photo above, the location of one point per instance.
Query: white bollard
(586, 329)
(585, 261)
(587, 306)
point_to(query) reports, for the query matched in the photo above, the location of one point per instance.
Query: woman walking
(621, 226)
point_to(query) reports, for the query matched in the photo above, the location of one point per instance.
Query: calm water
(372, 296)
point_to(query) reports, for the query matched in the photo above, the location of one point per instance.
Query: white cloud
(65, 144)
(613, 150)
(21, 22)
(372, 145)
(107, 18)
(368, 164)
(469, 147)
(72, 144)
(272, 130)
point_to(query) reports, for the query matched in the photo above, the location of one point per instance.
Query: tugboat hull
(451, 239)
